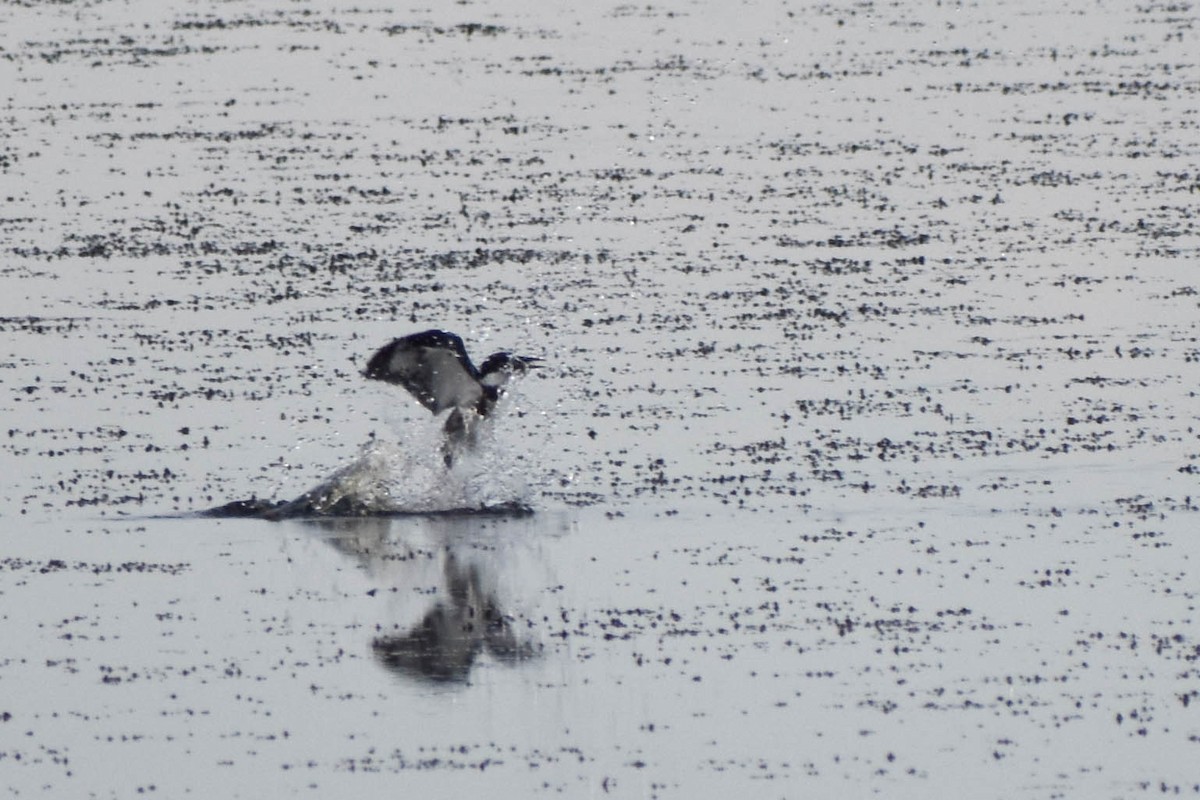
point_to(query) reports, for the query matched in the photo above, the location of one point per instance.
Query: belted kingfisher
(434, 367)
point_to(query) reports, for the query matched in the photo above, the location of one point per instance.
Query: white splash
(410, 476)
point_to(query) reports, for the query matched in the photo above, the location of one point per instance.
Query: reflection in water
(452, 585)
(469, 621)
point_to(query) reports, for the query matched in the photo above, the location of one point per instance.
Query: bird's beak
(530, 362)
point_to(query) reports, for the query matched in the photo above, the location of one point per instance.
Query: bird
(434, 367)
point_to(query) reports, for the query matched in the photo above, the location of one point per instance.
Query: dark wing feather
(433, 366)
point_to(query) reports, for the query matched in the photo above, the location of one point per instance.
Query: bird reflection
(465, 615)
(445, 644)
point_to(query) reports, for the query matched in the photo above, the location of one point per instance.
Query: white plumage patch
(433, 366)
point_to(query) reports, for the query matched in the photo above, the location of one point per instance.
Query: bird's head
(500, 368)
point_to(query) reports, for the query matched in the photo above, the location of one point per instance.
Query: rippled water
(864, 462)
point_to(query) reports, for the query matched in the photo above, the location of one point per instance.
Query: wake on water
(389, 479)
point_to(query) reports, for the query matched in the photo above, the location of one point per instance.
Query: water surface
(865, 462)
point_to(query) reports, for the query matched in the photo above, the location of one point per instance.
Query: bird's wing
(433, 366)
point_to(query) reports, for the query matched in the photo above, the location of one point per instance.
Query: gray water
(865, 461)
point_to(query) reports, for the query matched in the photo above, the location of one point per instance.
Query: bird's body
(434, 367)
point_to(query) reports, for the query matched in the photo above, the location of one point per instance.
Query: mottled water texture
(865, 461)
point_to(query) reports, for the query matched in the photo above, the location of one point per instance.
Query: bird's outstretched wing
(433, 366)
